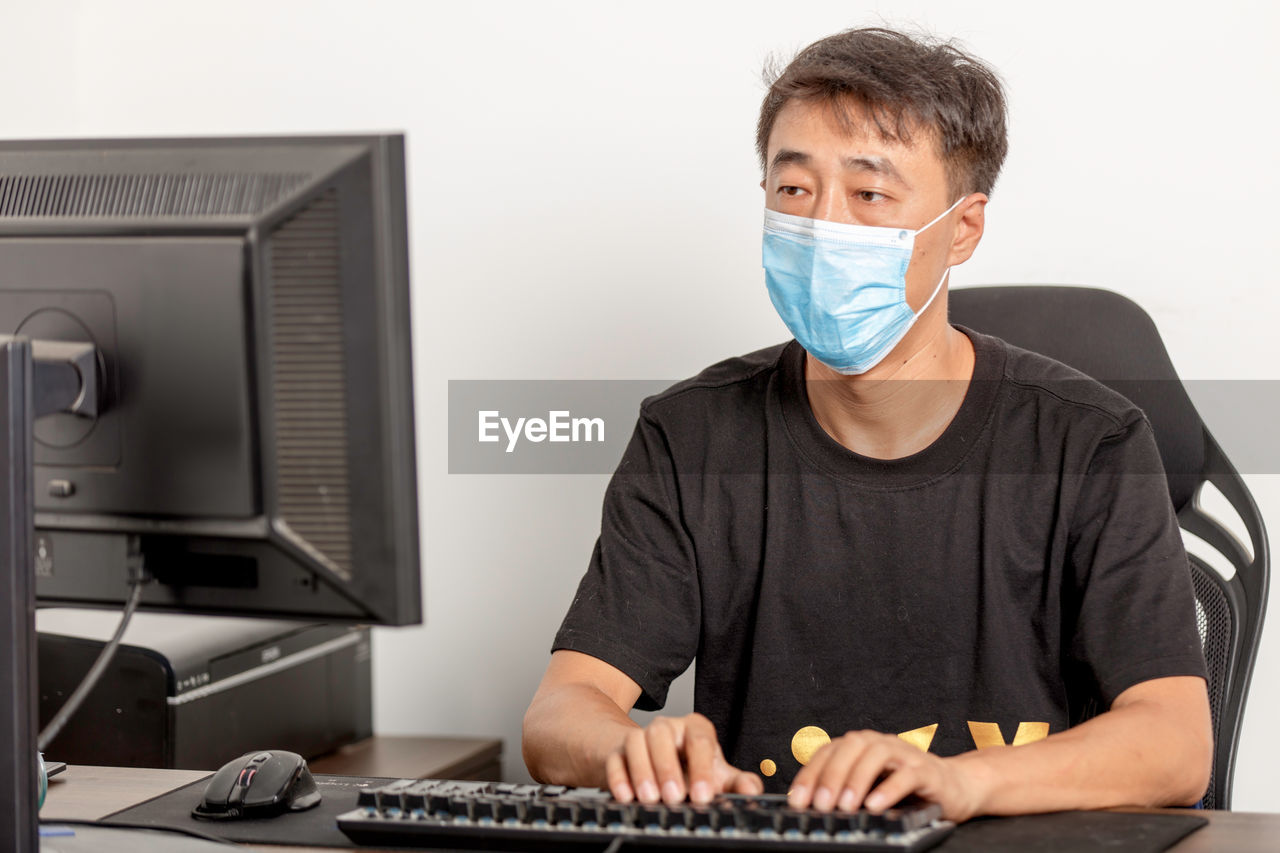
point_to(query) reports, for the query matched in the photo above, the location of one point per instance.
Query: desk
(89, 793)
(478, 759)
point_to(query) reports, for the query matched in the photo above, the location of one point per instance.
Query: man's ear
(969, 228)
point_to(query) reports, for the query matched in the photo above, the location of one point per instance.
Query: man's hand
(843, 773)
(671, 758)
(577, 732)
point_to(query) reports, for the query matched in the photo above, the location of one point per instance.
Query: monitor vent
(309, 389)
(87, 196)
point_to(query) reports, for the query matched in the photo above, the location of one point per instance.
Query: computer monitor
(250, 446)
(249, 302)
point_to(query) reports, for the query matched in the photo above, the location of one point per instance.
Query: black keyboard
(441, 813)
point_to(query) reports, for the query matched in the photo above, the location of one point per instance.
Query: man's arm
(577, 732)
(1153, 748)
(576, 719)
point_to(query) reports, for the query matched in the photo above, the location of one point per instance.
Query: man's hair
(901, 85)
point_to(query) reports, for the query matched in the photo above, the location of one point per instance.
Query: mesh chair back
(1111, 339)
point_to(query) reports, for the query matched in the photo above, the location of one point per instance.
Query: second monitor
(249, 300)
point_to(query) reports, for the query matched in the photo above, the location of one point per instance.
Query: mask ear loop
(942, 214)
(945, 272)
(936, 291)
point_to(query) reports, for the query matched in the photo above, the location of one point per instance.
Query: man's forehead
(878, 164)
(849, 132)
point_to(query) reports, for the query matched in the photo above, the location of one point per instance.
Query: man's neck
(905, 403)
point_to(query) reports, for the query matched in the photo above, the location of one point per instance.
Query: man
(948, 552)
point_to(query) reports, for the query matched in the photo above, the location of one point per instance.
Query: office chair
(1111, 339)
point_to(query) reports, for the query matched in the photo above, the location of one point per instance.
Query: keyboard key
(583, 795)
(617, 813)
(651, 816)
(562, 813)
(793, 821)
(388, 796)
(509, 808)
(538, 810)
(528, 792)
(590, 813)
(700, 817)
(760, 819)
(743, 818)
(484, 808)
(912, 818)
(437, 801)
(414, 797)
(837, 822)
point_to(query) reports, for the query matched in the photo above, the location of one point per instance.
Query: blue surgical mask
(841, 289)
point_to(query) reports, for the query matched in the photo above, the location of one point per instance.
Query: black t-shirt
(1007, 581)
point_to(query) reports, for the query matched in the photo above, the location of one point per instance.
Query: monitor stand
(36, 378)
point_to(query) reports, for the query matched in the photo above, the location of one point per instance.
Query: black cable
(95, 672)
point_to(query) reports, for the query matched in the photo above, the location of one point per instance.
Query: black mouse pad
(317, 827)
(1063, 832)
(1073, 832)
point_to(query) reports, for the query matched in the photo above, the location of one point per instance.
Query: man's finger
(640, 768)
(832, 779)
(901, 782)
(615, 771)
(873, 761)
(743, 782)
(802, 787)
(700, 753)
(662, 738)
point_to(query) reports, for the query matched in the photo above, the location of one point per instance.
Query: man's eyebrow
(880, 165)
(860, 163)
(786, 156)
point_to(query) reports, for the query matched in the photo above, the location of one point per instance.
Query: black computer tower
(194, 692)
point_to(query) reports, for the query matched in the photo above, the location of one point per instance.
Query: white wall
(583, 204)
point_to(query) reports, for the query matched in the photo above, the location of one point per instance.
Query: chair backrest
(1109, 338)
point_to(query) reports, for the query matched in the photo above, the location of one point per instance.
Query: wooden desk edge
(105, 790)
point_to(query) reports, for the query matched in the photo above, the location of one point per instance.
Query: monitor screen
(248, 299)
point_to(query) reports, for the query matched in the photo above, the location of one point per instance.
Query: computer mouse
(259, 784)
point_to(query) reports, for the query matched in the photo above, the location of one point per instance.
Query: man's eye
(791, 191)
(870, 196)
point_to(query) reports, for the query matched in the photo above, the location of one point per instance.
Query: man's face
(818, 169)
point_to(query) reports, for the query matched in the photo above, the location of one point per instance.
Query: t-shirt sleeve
(1135, 605)
(638, 605)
